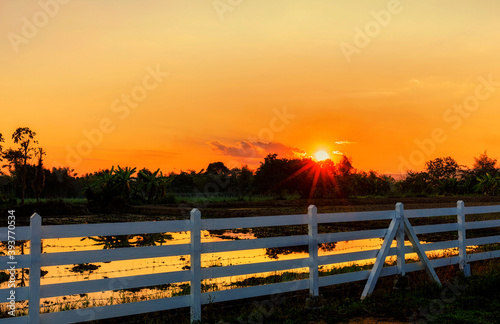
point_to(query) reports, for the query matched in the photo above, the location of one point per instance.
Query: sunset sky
(178, 84)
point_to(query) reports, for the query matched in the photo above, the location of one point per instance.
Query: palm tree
(122, 179)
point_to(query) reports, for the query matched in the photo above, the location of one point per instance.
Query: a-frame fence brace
(399, 226)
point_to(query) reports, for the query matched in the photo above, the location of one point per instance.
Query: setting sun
(321, 156)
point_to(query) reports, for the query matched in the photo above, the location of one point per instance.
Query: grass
(204, 199)
(44, 200)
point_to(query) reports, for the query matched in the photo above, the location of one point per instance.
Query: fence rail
(35, 233)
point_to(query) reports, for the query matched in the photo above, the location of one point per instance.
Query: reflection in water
(276, 253)
(117, 269)
(112, 242)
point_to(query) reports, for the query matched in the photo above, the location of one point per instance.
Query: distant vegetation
(25, 177)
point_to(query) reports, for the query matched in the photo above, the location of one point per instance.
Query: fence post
(400, 239)
(462, 244)
(313, 250)
(35, 261)
(195, 265)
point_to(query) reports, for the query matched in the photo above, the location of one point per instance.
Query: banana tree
(488, 184)
(150, 185)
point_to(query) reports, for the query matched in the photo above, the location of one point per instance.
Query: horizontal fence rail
(35, 233)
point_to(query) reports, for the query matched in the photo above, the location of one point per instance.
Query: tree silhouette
(39, 180)
(1, 152)
(441, 169)
(484, 164)
(150, 185)
(25, 137)
(217, 168)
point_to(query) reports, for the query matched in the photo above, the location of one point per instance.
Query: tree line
(26, 176)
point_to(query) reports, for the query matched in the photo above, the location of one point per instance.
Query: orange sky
(179, 84)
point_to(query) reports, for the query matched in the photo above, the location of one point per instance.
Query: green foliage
(443, 176)
(441, 169)
(488, 184)
(484, 164)
(110, 190)
(150, 186)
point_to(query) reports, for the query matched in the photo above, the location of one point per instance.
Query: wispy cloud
(248, 149)
(337, 153)
(343, 142)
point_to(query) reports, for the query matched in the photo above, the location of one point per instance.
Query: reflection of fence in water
(197, 249)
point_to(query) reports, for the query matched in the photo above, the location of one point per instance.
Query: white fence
(36, 232)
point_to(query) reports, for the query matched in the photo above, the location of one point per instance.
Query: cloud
(343, 142)
(249, 149)
(337, 153)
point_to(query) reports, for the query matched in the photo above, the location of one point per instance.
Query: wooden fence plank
(195, 294)
(253, 268)
(382, 255)
(482, 209)
(251, 222)
(257, 291)
(400, 239)
(483, 255)
(351, 236)
(22, 233)
(23, 261)
(431, 212)
(437, 228)
(103, 312)
(482, 224)
(113, 229)
(484, 240)
(22, 293)
(260, 243)
(34, 281)
(462, 241)
(412, 237)
(119, 283)
(313, 251)
(355, 216)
